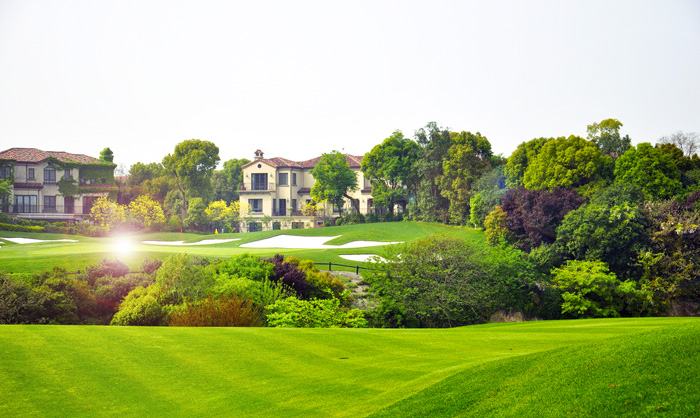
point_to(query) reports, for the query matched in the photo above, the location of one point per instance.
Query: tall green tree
(467, 159)
(335, 180)
(568, 163)
(389, 168)
(430, 204)
(227, 182)
(191, 165)
(650, 169)
(520, 159)
(606, 135)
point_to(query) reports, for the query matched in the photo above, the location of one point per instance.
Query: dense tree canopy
(430, 204)
(191, 165)
(107, 155)
(650, 169)
(606, 135)
(334, 179)
(520, 159)
(389, 168)
(227, 181)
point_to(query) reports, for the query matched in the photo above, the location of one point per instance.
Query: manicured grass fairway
(612, 367)
(30, 258)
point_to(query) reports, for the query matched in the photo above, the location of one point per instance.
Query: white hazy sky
(298, 78)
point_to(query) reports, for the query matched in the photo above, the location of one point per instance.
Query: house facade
(277, 192)
(53, 185)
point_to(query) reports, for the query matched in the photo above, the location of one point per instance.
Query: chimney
(258, 155)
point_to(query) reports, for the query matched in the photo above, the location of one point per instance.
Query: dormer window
(258, 154)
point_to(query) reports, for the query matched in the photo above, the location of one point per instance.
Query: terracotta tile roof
(33, 155)
(354, 161)
(304, 190)
(28, 186)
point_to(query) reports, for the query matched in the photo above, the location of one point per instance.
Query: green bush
(140, 307)
(314, 313)
(224, 311)
(19, 303)
(20, 228)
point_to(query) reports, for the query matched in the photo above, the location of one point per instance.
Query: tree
(6, 187)
(495, 227)
(467, 158)
(107, 155)
(107, 214)
(228, 181)
(606, 135)
(443, 281)
(334, 179)
(430, 204)
(389, 168)
(650, 169)
(520, 159)
(488, 193)
(196, 214)
(191, 165)
(590, 290)
(688, 142)
(533, 216)
(568, 163)
(613, 234)
(147, 213)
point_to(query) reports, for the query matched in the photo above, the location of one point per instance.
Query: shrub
(110, 291)
(150, 265)
(140, 307)
(66, 299)
(19, 228)
(315, 313)
(19, 303)
(105, 267)
(324, 284)
(223, 311)
(290, 276)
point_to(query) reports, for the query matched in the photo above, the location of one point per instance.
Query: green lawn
(29, 258)
(611, 367)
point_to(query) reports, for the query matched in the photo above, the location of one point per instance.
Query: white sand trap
(310, 243)
(202, 242)
(363, 258)
(34, 241)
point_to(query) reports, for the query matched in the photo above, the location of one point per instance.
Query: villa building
(278, 193)
(53, 186)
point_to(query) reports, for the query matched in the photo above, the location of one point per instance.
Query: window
(294, 204)
(255, 205)
(49, 203)
(5, 172)
(49, 175)
(25, 204)
(66, 174)
(294, 179)
(258, 181)
(30, 174)
(283, 179)
(254, 227)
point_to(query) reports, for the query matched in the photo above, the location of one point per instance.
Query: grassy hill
(611, 367)
(28, 258)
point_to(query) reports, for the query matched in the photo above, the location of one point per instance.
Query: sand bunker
(34, 241)
(202, 242)
(310, 243)
(363, 258)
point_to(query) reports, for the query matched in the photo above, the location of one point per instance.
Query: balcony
(258, 187)
(18, 209)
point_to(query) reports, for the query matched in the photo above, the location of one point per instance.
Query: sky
(299, 78)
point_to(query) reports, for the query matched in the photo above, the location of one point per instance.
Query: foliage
(618, 194)
(150, 265)
(590, 290)
(489, 190)
(68, 187)
(222, 311)
(147, 213)
(532, 216)
(442, 281)
(430, 204)
(110, 291)
(227, 182)
(107, 214)
(612, 234)
(334, 179)
(105, 267)
(467, 159)
(140, 307)
(182, 277)
(520, 159)
(66, 300)
(564, 163)
(107, 155)
(191, 165)
(324, 284)
(292, 277)
(19, 303)
(225, 217)
(174, 224)
(389, 168)
(650, 169)
(671, 265)
(495, 227)
(197, 218)
(21, 228)
(606, 135)
(314, 313)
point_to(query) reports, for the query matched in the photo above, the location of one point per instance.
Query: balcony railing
(258, 187)
(44, 209)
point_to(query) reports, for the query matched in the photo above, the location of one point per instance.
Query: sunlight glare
(122, 245)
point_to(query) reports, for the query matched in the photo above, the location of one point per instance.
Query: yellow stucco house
(275, 192)
(53, 185)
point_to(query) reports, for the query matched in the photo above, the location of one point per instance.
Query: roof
(33, 155)
(354, 161)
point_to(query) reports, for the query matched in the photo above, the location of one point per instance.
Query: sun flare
(122, 245)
